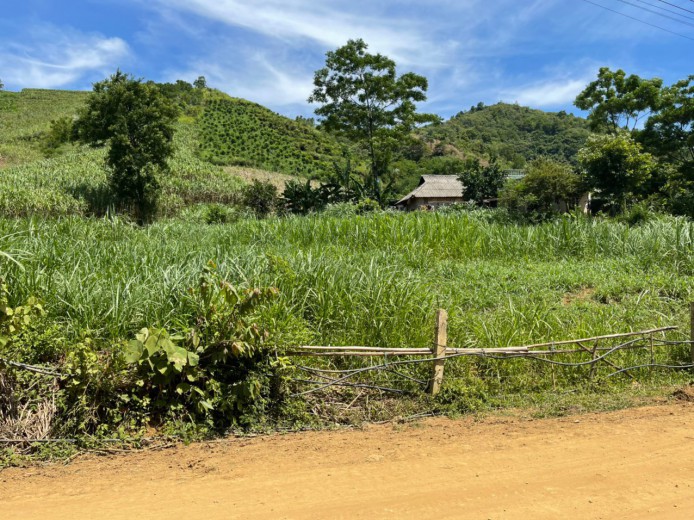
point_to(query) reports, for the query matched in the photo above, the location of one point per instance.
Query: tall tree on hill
(137, 122)
(364, 99)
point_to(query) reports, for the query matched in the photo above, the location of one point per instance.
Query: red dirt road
(636, 463)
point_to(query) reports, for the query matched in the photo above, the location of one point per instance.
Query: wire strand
(639, 20)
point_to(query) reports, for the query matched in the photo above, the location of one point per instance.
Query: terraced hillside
(236, 132)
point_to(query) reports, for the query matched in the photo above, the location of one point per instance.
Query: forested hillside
(512, 133)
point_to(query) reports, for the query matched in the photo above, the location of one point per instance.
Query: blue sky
(539, 53)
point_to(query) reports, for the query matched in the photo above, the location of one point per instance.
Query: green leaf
(182, 388)
(133, 351)
(152, 344)
(193, 359)
(177, 355)
(142, 335)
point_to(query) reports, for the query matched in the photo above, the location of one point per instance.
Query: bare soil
(278, 179)
(636, 463)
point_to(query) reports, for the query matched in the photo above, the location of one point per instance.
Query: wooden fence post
(691, 332)
(439, 351)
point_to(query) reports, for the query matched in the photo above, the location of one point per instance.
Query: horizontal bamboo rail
(361, 351)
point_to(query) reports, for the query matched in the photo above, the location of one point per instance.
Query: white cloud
(329, 24)
(265, 83)
(54, 57)
(549, 93)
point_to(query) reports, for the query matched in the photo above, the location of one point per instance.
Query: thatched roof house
(433, 191)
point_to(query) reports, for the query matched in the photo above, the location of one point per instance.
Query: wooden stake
(691, 331)
(439, 351)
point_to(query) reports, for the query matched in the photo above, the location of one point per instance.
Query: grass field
(365, 280)
(25, 115)
(343, 279)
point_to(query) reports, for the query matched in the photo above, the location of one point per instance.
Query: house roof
(436, 186)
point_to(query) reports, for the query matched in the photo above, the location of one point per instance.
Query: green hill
(513, 133)
(236, 132)
(74, 180)
(218, 130)
(25, 115)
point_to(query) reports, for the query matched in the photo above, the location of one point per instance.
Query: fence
(596, 347)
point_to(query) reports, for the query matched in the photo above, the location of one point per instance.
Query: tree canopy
(650, 154)
(617, 167)
(363, 99)
(136, 121)
(617, 101)
(481, 182)
(550, 187)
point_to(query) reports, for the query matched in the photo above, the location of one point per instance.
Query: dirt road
(636, 463)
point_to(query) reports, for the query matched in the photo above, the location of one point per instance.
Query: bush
(260, 197)
(549, 188)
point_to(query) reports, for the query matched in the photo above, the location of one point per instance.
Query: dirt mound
(633, 464)
(684, 394)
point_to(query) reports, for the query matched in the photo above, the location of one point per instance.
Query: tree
(670, 132)
(617, 101)
(617, 168)
(549, 187)
(669, 135)
(2, 85)
(137, 123)
(481, 182)
(261, 197)
(200, 83)
(363, 98)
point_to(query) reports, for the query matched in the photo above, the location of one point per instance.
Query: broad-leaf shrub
(218, 366)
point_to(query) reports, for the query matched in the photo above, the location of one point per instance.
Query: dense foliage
(548, 189)
(632, 164)
(136, 121)
(481, 182)
(513, 134)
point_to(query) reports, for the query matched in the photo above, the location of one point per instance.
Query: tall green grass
(377, 280)
(374, 280)
(75, 183)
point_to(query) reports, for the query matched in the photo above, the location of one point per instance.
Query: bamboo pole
(336, 350)
(439, 351)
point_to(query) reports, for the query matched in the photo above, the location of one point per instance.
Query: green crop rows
(241, 133)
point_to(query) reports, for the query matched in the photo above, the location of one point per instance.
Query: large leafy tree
(363, 98)
(669, 134)
(617, 168)
(137, 123)
(617, 101)
(481, 182)
(549, 188)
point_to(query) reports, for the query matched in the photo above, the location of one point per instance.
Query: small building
(433, 191)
